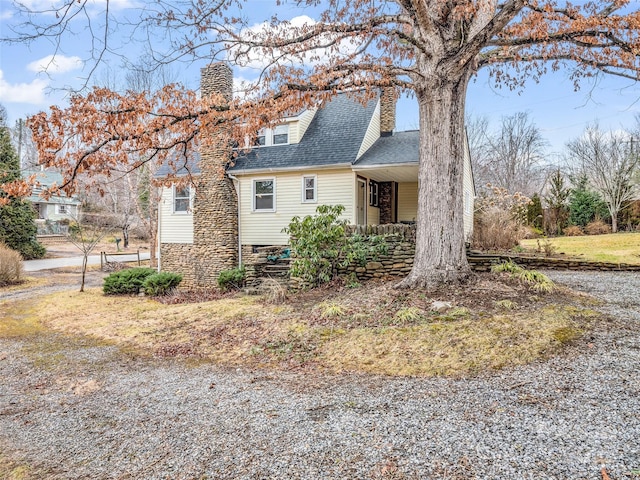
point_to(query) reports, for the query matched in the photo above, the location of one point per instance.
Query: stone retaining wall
(398, 261)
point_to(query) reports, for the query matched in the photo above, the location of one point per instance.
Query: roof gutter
(383, 165)
(259, 171)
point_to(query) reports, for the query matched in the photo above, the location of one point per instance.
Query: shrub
(535, 280)
(546, 247)
(499, 222)
(320, 244)
(573, 231)
(161, 283)
(126, 282)
(597, 227)
(231, 279)
(585, 205)
(10, 266)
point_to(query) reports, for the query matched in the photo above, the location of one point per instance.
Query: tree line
(595, 177)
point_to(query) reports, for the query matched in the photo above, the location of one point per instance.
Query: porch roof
(392, 158)
(401, 148)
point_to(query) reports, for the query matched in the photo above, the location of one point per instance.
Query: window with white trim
(309, 189)
(61, 209)
(268, 137)
(181, 199)
(264, 195)
(281, 134)
(374, 196)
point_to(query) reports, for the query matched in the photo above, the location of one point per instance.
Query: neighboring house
(54, 209)
(343, 152)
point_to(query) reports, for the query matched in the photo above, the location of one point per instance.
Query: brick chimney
(215, 212)
(387, 111)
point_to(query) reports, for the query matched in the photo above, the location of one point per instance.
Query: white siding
(373, 215)
(407, 202)
(373, 132)
(174, 227)
(469, 195)
(265, 228)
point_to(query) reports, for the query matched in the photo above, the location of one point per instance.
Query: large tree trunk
(440, 256)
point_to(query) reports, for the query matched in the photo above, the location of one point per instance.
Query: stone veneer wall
(215, 206)
(385, 202)
(387, 111)
(177, 257)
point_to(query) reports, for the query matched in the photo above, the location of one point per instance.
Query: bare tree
(477, 128)
(609, 160)
(85, 236)
(25, 146)
(510, 158)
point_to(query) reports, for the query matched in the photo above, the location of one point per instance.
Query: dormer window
(268, 137)
(281, 134)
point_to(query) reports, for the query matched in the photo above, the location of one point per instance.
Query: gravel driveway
(90, 411)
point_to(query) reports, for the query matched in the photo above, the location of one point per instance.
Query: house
(342, 152)
(54, 210)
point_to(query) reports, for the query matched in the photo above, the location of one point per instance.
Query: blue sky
(559, 111)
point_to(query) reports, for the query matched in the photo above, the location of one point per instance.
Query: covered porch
(386, 194)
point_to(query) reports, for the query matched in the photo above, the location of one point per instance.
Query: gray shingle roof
(399, 148)
(334, 137)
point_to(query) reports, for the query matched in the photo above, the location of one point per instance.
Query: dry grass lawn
(494, 323)
(614, 248)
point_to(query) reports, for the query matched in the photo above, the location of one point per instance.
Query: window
(373, 194)
(264, 195)
(61, 209)
(281, 134)
(268, 137)
(181, 199)
(309, 189)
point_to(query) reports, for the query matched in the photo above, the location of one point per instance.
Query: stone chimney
(215, 210)
(387, 111)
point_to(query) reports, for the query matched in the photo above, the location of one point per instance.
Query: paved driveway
(49, 263)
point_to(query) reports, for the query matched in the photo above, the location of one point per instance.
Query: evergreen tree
(556, 199)
(585, 205)
(17, 226)
(535, 212)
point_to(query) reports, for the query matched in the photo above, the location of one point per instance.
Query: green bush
(231, 279)
(126, 282)
(585, 206)
(320, 244)
(161, 283)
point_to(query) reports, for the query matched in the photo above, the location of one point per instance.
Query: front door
(361, 202)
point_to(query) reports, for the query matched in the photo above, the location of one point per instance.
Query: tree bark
(440, 256)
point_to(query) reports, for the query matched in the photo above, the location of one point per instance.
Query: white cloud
(56, 64)
(258, 59)
(31, 93)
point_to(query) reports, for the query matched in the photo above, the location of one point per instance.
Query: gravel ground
(91, 411)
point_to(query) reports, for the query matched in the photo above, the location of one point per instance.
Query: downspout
(236, 184)
(158, 239)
